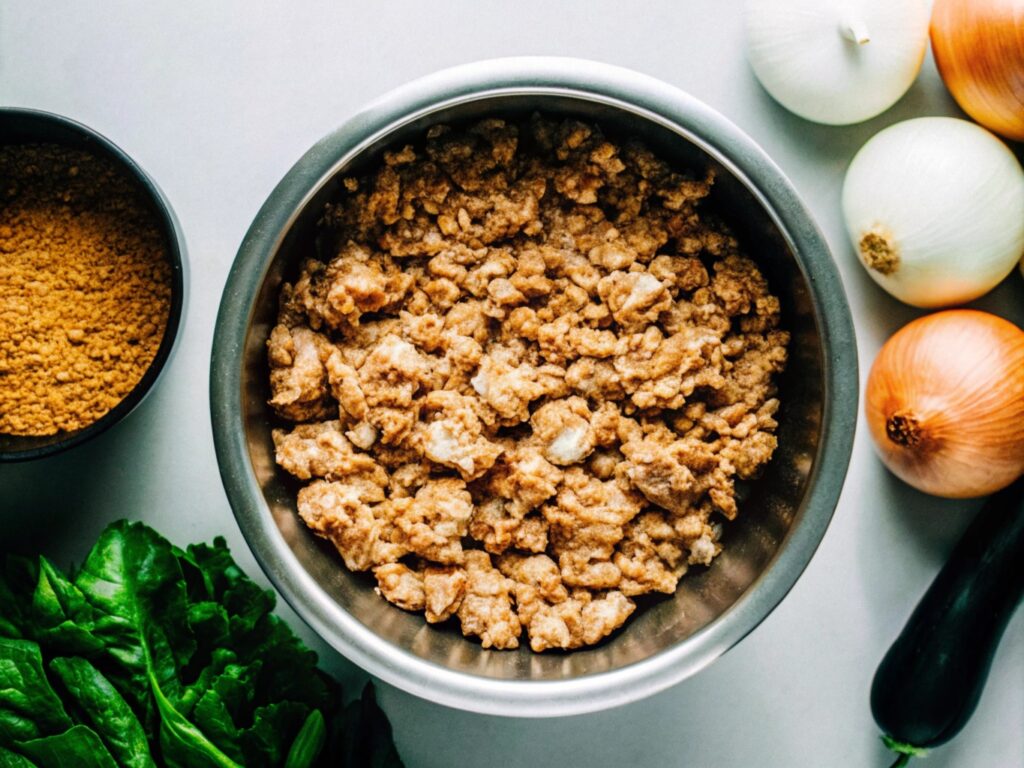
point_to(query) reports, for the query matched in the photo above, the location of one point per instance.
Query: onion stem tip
(856, 31)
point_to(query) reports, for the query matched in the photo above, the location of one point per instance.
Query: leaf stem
(902, 760)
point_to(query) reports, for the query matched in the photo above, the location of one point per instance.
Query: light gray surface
(217, 100)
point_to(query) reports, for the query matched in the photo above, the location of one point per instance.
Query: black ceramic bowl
(29, 126)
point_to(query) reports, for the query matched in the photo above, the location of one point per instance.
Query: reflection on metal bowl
(785, 512)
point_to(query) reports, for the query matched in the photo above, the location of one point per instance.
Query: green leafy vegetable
(78, 746)
(131, 577)
(308, 744)
(29, 707)
(183, 745)
(60, 611)
(106, 710)
(13, 760)
(151, 655)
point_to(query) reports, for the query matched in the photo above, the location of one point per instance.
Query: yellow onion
(945, 403)
(979, 50)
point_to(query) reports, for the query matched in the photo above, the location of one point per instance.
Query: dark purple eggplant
(929, 682)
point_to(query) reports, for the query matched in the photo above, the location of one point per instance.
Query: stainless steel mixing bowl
(785, 512)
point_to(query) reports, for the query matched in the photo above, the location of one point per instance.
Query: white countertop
(217, 99)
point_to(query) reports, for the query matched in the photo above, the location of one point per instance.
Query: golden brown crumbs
(526, 379)
(84, 288)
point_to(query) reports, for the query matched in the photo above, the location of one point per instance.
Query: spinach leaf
(130, 578)
(228, 585)
(252, 704)
(29, 707)
(62, 617)
(166, 656)
(106, 710)
(266, 743)
(225, 696)
(37, 602)
(210, 625)
(219, 660)
(309, 743)
(14, 760)
(182, 745)
(78, 746)
(133, 577)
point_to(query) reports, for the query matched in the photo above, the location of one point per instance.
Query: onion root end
(904, 430)
(879, 252)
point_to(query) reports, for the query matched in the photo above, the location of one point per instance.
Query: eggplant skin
(931, 679)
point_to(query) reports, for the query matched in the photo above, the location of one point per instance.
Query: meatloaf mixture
(523, 377)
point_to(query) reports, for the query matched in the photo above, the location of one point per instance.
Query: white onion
(935, 210)
(836, 61)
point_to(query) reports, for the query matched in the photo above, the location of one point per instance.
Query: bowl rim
(87, 139)
(711, 132)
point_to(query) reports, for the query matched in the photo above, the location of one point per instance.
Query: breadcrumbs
(526, 381)
(84, 288)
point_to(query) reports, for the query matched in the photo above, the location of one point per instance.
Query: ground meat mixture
(526, 375)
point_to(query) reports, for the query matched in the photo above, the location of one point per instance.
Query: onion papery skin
(945, 403)
(836, 62)
(979, 51)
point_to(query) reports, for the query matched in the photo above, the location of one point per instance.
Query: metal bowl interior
(27, 126)
(784, 513)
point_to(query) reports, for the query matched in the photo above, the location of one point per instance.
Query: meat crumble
(525, 379)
